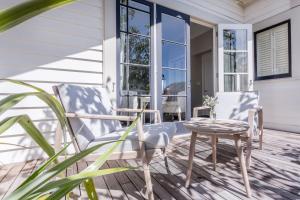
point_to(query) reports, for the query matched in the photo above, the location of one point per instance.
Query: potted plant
(210, 102)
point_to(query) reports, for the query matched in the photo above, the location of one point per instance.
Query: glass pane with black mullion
(173, 82)
(138, 5)
(124, 2)
(173, 29)
(173, 55)
(123, 48)
(139, 79)
(124, 79)
(139, 22)
(139, 49)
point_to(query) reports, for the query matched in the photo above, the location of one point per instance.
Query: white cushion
(156, 136)
(88, 100)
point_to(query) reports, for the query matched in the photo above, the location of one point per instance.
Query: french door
(235, 57)
(173, 64)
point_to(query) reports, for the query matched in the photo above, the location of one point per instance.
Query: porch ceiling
(245, 3)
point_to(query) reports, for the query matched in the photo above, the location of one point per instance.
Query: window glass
(123, 18)
(138, 22)
(173, 82)
(139, 51)
(235, 62)
(235, 39)
(139, 6)
(139, 79)
(230, 84)
(173, 55)
(173, 29)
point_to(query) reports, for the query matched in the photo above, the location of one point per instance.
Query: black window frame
(274, 76)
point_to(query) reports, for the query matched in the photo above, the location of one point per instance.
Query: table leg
(191, 157)
(241, 156)
(214, 150)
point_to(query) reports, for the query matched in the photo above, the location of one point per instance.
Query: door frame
(159, 9)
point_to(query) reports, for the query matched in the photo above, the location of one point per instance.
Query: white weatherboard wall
(281, 97)
(60, 46)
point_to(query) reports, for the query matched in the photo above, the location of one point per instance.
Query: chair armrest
(156, 112)
(103, 117)
(196, 110)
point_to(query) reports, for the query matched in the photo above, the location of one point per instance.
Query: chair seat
(157, 136)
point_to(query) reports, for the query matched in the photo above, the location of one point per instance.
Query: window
(273, 52)
(134, 32)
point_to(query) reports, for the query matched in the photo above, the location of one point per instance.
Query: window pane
(235, 39)
(173, 82)
(235, 62)
(244, 82)
(173, 29)
(123, 43)
(139, 79)
(123, 18)
(139, 5)
(173, 55)
(138, 22)
(173, 108)
(139, 50)
(230, 83)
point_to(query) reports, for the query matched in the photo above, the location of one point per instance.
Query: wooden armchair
(242, 106)
(91, 120)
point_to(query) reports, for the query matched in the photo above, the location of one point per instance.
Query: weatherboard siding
(60, 46)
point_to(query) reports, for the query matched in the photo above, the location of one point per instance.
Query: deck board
(275, 173)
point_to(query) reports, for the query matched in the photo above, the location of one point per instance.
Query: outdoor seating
(243, 106)
(91, 120)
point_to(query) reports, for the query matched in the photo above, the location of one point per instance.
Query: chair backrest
(87, 100)
(235, 105)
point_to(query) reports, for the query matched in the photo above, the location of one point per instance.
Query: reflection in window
(235, 39)
(235, 62)
(173, 82)
(173, 55)
(135, 62)
(173, 29)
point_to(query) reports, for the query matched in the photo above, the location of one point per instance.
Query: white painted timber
(64, 45)
(280, 97)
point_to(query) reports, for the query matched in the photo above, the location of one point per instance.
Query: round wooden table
(230, 129)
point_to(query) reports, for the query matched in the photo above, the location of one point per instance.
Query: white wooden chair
(91, 120)
(242, 106)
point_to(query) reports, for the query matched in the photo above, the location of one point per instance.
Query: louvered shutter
(264, 54)
(272, 51)
(281, 49)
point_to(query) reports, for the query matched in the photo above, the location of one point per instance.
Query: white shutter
(264, 53)
(272, 50)
(281, 49)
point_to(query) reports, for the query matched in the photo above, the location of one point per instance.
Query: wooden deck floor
(275, 173)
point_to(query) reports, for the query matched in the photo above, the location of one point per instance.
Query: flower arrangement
(210, 102)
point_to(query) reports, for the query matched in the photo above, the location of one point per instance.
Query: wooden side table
(230, 129)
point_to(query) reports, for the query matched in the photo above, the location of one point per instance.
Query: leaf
(17, 14)
(42, 168)
(78, 178)
(30, 129)
(42, 179)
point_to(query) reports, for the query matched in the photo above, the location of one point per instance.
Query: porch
(274, 174)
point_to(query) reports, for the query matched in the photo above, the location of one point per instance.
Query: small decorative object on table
(211, 103)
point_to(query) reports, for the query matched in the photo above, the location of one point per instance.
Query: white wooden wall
(60, 46)
(280, 97)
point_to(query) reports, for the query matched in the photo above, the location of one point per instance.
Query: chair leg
(164, 151)
(149, 192)
(261, 139)
(242, 164)
(249, 152)
(214, 150)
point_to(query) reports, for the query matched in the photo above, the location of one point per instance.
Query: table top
(216, 126)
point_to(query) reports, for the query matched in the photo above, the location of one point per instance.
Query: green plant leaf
(78, 178)
(42, 179)
(42, 168)
(17, 14)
